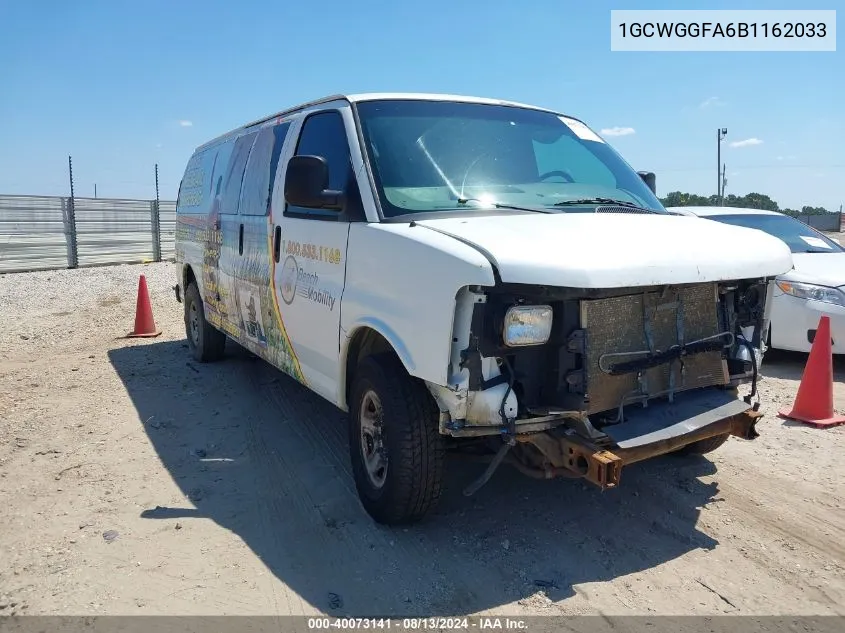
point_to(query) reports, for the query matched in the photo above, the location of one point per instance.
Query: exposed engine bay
(611, 360)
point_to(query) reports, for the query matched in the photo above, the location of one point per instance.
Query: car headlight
(812, 291)
(527, 325)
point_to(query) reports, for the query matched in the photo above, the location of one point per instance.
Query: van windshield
(442, 156)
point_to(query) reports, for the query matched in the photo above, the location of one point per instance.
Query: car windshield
(444, 156)
(798, 236)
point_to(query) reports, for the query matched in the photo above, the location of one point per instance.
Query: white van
(473, 275)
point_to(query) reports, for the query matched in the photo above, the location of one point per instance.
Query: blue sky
(122, 86)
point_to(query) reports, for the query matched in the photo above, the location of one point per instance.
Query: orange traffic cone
(814, 402)
(144, 323)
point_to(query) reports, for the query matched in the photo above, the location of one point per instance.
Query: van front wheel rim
(195, 324)
(373, 449)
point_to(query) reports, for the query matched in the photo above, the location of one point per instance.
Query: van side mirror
(649, 179)
(306, 184)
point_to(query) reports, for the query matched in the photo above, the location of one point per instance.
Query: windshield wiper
(499, 205)
(618, 203)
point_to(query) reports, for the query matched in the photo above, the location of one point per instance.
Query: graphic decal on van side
(239, 288)
(191, 189)
(299, 282)
(216, 294)
(248, 280)
(189, 228)
(284, 345)
(251, 315)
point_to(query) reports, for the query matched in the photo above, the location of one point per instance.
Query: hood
(592, 250)
(824, 269)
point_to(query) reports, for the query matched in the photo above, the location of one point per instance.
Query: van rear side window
(261, 170)
(235, 174)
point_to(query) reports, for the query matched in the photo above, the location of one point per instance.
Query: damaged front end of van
(581, 377)
(583, 384)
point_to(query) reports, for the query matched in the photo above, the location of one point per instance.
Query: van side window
(260, 170)
(324, 134)
(235, 174)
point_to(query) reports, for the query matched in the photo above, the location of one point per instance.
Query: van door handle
(241, 241)
(277, 243)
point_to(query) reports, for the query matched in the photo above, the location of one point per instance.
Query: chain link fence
(46, 232)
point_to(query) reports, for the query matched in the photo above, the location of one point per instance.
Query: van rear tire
(207, 344)
(395, 445)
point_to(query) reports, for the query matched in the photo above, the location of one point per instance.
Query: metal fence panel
(33, 233)
(47, 233)
(167, 214)
(823, 222)
(113, 231)
(42, 232)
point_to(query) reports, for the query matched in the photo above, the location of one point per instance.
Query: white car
(813, 288)
(458, 272)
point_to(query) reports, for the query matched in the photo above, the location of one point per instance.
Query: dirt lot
(134, 481)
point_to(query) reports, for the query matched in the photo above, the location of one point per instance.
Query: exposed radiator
(650, 322)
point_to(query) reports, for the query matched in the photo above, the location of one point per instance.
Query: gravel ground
(134, 481)
(47, 307)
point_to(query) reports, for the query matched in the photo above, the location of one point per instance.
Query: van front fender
(368, 331)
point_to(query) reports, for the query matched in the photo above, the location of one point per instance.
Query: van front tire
(395, 445)
(206, 343)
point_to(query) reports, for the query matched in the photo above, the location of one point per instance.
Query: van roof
(376, 96)
(427, 96)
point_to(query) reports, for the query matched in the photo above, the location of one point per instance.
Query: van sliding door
(253, 261)
(231, 259)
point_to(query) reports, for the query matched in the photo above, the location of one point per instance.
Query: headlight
(527, 325)
(811, 291)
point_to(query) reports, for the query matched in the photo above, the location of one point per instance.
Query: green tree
(758, 201)
(679, 199)
(748, 201)
(814, 210)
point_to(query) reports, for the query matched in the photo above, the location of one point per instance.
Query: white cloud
(186, 123)
(711, 102)
(747, 142)
(790, 157)
(618, 131)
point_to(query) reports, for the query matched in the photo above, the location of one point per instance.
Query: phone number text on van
(312, 251)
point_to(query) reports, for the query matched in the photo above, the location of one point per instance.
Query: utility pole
(95, 190)
(70, 174)
(70, 221)
(156, 222)
(724, 183)
(721, 133)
